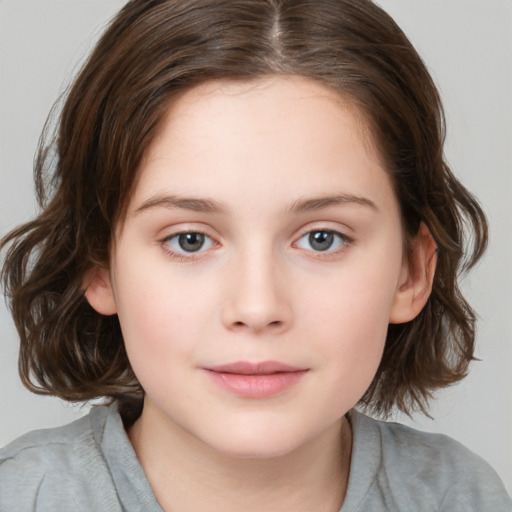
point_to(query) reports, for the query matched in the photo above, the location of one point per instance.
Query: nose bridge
(256, 296)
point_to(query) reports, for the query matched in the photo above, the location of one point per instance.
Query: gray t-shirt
(90, 465)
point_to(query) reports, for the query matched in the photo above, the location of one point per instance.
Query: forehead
(278, 135)
(269, 101)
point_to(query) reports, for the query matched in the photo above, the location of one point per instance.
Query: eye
(323, 240)
(188, 242)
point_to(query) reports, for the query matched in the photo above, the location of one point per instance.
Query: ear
(416, 277)
(99, 292)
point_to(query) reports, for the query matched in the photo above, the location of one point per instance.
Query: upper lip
(260, 368)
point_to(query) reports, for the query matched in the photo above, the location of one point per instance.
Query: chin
(255, 448)
(264, 441)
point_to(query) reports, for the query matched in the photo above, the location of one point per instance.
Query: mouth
(255, 380)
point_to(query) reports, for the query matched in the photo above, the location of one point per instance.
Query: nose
(257, 296)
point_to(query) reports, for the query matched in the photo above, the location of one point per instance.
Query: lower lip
(256, 386)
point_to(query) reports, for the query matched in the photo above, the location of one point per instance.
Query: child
(249, 230)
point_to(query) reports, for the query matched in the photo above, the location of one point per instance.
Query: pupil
(191, 242)
(321, 240)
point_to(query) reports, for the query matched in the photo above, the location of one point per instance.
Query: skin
(259, 154)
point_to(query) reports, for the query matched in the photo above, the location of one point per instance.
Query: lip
(255, 380)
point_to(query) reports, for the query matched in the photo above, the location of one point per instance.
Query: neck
(187, 475)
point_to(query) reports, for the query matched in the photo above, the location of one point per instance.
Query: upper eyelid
(334, 231)
(324, 227)
(298, 234)
(187, 227)
(184, 232)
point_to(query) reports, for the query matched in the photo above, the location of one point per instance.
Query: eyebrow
(319, 203)
(206, 205)
(185, 203)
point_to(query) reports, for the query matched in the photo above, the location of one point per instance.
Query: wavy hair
(153, 51)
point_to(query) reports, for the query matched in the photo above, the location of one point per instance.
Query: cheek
(354, 303)
(351, 316)
(160, 319)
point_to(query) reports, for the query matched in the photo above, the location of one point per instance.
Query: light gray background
(467, 45)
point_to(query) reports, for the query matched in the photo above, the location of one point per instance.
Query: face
(258, 267)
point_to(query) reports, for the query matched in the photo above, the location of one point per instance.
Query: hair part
(152, 52)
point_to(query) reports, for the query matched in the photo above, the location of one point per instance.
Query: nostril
(276, 323)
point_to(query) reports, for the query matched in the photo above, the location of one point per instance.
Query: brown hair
(153, 51)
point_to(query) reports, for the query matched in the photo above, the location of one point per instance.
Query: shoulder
(53, 467)
(413, 446)
(432, 468)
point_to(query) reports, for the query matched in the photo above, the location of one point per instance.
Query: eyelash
(343, 239)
